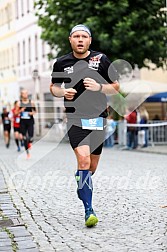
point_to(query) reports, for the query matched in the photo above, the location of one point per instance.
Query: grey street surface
(130, 188)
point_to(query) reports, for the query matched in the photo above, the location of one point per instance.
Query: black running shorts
(93, 138)
(7, 127)
(16, 129)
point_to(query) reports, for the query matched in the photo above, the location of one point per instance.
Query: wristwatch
(101, 86)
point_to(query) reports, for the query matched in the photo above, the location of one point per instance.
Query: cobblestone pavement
(130, 189)
(13, 233)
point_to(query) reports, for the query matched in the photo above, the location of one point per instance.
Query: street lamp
(36, 78)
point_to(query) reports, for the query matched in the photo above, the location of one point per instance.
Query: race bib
(92, 124)
(17, 119)
(6, 121)
(25, 115)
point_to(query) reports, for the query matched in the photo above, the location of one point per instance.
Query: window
(17, 9)
(22, 8)
(1, 63)
(28, 6)
(1, 19)
(43, 49)
(18, 54)
(24, 52)
(33, 2)
(7, 15)
(12, 57)
(7, 59)
(29, 49)
(36, 47)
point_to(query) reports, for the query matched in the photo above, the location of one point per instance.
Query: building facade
(9, 88)
(24, 62)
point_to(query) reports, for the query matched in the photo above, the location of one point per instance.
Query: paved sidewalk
(157, 149)
(13, 233)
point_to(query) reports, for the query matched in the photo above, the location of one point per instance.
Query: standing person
(110, 130)
(144, 117)
(6, 126)
(15, 114)
(131, 130)
(88, 97)
(27, 111)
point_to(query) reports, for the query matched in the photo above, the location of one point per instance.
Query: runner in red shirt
(16, 123)
(132, 131)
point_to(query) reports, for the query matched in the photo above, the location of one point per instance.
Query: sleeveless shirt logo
(95, 61)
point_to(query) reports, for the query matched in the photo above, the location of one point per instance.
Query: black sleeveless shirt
(28, 108)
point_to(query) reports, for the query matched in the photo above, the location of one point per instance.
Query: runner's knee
(84, 162)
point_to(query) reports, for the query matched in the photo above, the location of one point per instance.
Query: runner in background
(6, 126)
(27, 111)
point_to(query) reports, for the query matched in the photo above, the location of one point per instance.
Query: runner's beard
(80, 52)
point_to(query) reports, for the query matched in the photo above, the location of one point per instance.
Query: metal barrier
(157, 132)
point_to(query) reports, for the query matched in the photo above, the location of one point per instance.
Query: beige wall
(155, 108)
(157, 75)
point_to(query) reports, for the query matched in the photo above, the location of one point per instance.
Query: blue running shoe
(90, 218)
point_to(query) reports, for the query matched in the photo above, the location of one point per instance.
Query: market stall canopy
(160, 97)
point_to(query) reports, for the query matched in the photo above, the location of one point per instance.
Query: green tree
(133, 30)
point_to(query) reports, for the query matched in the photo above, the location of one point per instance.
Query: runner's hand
(91, 84)
(22, 109)
(69, 93)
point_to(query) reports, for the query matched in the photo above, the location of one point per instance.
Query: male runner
(85, 103)
(27, 109)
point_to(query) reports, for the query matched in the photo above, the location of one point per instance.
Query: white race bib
(25, 115)
(6, 121)
(93, 124)
(17, 119)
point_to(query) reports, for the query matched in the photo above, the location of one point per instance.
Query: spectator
(131, 130)
(156, 118)
(110, 129)
(144, 117)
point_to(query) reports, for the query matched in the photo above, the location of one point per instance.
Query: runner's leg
(16, 136)
(23, 130)
(30, 131)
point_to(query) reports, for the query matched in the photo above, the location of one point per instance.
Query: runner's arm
(57, 91)
(110, 88)
(33, 112)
